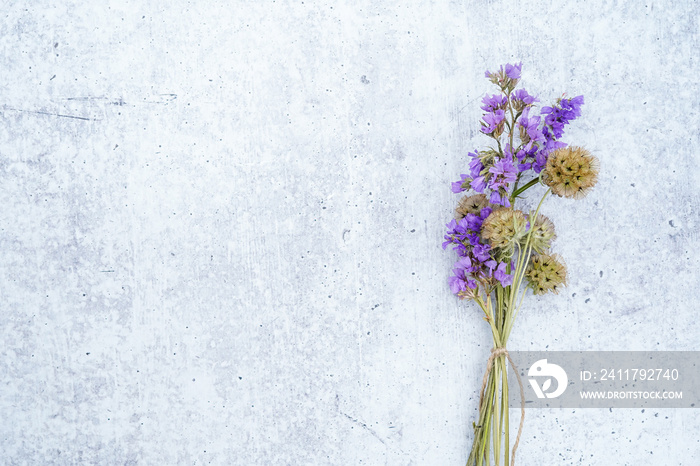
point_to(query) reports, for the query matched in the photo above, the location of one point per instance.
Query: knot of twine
(496, 352)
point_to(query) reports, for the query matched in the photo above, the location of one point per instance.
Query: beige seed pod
(571, 172)
(542, 235)
(470, 205)
(546, 273)
(504, 227)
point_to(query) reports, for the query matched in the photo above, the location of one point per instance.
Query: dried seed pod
(542, 235)
(470, 205)
(546, 273)
(504, 227)
(571, 172)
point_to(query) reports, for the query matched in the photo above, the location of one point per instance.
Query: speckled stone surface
(221, 224)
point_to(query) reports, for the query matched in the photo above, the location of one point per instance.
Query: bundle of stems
(501, 307)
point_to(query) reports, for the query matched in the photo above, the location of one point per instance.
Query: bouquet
(504, 251)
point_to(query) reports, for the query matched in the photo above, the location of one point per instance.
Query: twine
(495, 352)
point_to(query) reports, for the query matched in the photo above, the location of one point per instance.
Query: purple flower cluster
(557, 116)
(520, 99)
(495, 173)
(504, 173)
(461, 185)
(494, 102)
(493, 123)
(560, 115)
(511, 72)
(476, 265)
(496, 178)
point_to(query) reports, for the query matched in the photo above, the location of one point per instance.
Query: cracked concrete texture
(221, 227)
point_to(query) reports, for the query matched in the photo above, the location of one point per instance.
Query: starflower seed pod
(546, 273)
(470, 205)
(504, 227)
(542, 235)
(571, 172)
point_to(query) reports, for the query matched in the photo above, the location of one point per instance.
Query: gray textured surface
(221, 227)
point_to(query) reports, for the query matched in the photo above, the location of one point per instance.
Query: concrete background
(221, 224)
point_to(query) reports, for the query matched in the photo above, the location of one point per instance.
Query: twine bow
(495, 352)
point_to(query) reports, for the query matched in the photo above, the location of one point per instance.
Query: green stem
(504, 400)
(523, 260)
(479, 430)
(496, 416)
(518, 191)
(515, 189)
(494, 331)
(499, 308)
(506, 331)
(512, 128)
(485, 445)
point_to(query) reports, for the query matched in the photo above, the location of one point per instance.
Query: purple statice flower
(492, 121)
(457, 233)
(555, 121)
(501, 275)
(490, 264)
(459, 186)
(513, 71)
(494, 102)
(540, 161)
(457, 284)
(465, 232)
(522, 167)
(520, 156)
(474, 239)
(523, 156)
(530, 129)
(473, 222)
(499, 197)
(481, 252)
(508, 151)
(572, 105)
(506, 79)
(475, 166)
(522, 98)
(494, 76)
(459, 281)
(562, 114)
(479, 184)
(550, 145)
(556, 117)
(452, 236)
(464, 263)
(504, 172)
(475, 263)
